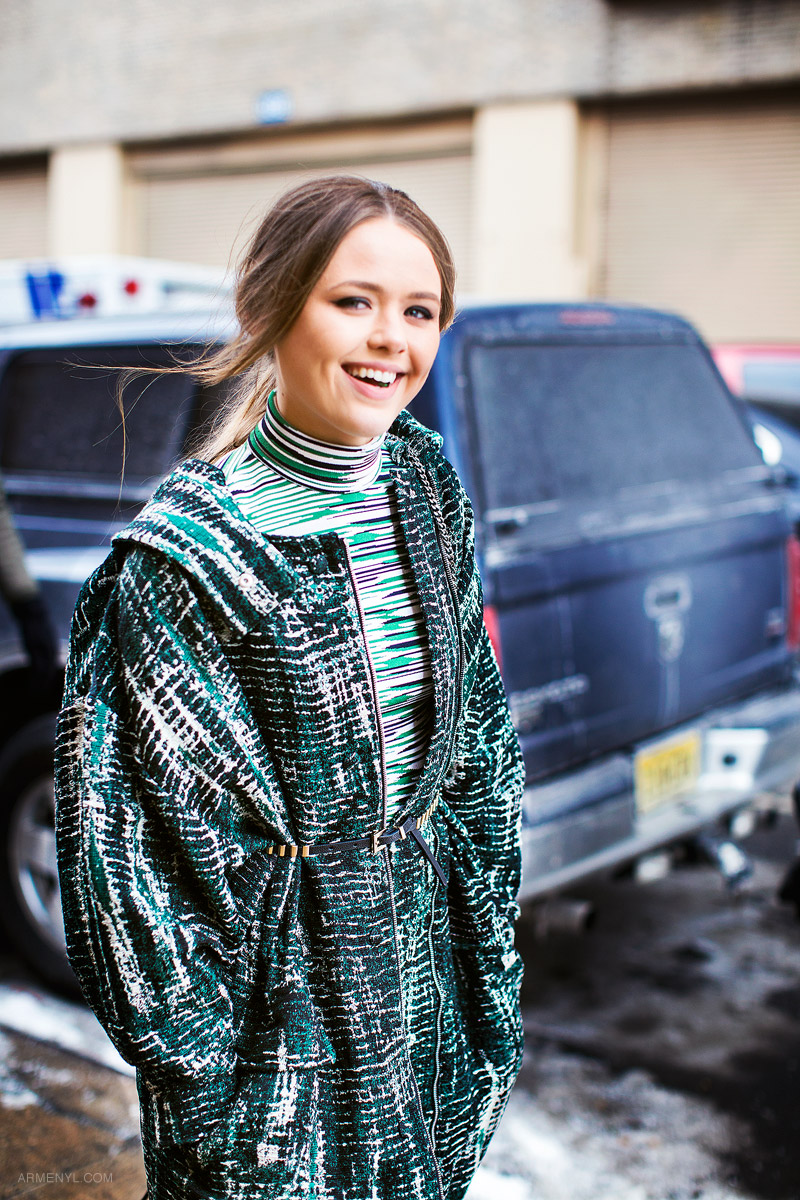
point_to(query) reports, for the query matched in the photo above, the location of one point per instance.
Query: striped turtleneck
(289, 484)
(319, 465)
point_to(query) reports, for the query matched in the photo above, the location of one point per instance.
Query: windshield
(59, 413)
(583, 422)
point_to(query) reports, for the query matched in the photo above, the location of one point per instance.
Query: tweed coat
(343, 1026)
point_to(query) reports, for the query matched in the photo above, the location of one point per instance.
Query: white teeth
(384, 377)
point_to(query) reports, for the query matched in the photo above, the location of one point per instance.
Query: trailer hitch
(731, 861)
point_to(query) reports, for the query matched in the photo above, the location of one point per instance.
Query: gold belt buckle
(373, 837)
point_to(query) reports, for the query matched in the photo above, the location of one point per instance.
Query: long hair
(277, 272)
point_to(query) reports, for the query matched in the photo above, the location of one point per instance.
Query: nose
(388, 332)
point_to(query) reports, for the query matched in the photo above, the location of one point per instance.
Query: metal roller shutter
(703, 213)
(198, 214)
(23, 211)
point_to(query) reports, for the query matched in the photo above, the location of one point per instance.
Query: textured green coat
(343, 1026)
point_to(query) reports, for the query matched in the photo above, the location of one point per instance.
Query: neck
(317, 464)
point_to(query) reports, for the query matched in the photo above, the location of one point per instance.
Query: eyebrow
(375, 287)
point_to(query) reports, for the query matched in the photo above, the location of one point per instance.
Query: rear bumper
(586, 822)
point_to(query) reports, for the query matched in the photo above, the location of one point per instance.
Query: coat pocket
(300, 1044)
(266, 1143)
(261, 1143)
(488, 971)
(277, 1026)
(487, 988)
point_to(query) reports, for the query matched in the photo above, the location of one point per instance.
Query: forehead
(383, 250)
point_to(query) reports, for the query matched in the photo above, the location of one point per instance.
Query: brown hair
(289, 252)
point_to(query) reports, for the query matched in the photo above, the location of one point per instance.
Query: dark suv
(635, 551)
(640, 576)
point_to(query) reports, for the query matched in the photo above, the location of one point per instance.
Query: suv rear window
(581, 422)
(59, 415)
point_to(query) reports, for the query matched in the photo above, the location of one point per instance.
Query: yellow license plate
(664, 771)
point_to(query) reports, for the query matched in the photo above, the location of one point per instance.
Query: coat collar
(407, 433)
(193, 519)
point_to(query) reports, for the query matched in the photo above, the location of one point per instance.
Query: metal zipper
(439, 1015)
(373, 679)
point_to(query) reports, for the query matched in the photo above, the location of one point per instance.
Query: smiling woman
(288, 785)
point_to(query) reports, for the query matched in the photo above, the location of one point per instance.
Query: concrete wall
(87, 200)
(525, 172)
(97, 71)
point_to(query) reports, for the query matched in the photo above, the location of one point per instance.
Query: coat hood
(193, 519)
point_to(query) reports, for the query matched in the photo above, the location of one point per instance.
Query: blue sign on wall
(273, 107)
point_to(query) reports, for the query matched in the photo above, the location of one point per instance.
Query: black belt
(375, 841)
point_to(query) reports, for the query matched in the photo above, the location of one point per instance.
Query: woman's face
(365, 339)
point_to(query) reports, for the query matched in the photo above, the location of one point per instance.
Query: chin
(366, 431)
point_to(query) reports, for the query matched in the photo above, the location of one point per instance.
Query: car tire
(30, 896)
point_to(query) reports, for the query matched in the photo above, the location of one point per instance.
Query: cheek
(429, 353)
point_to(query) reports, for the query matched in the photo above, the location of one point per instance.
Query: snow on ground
(49, 1019)
(489, 1185)
(13, 1093)
(574, 1130)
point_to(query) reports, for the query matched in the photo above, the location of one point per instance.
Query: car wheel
(30, 896)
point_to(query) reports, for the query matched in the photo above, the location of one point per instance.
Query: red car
(763, 374)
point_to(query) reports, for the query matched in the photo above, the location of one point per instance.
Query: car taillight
(793, 593)
(492, 624)
(586, 316)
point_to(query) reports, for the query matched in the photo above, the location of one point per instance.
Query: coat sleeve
(483, 789)
(140, 761)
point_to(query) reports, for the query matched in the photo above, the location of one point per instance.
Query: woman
(288, 788)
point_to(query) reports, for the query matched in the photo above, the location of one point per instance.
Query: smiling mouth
(380, 379)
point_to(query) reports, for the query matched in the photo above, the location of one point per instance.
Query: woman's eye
(352, 302)
(420, 313)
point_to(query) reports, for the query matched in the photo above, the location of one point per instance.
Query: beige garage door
(196, 207)
(703, 213)
(23, 211)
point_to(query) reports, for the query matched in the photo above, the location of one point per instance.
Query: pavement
(70, 1126)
